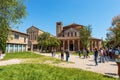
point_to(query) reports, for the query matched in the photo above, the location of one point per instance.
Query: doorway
(71, 47)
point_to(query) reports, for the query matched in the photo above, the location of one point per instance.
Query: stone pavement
(107, 68)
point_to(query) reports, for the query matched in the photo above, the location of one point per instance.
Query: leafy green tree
(85, 36)
(54, 42)
(11, 11)
(45, 40)
(114, 31)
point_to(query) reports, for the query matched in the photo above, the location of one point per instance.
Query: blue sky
(45, 13)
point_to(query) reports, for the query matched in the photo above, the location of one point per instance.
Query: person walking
(96, 56)
(102, 55)
(53, 52)
(67, 54)
(85, 53)
(87, 50)
(62, 54)
(117, 59)
(79, 53)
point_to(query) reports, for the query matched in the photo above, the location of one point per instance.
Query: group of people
(108, 54)
(103, 55)
(84, 52)
(62, 54)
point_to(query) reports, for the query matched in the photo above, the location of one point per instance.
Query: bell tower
(59, 28)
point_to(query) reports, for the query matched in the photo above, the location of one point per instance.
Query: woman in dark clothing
(67, 55)
(62, 55)
(96, 56)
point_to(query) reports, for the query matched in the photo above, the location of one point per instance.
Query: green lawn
(47, 72)
(30, 57)
(22, 55)
(33, 68)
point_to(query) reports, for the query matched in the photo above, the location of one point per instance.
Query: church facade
(70, 39)
(33, 32)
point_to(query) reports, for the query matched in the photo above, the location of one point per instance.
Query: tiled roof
(74, 25)
(19, 32)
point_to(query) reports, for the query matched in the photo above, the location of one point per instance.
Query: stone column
(78, 44)
(68, 44)
(95, 44)
(13, 48)
(31, 47)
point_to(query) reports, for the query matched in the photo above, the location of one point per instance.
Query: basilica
(69, 36)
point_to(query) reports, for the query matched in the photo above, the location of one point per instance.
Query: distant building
(17, 42)
(69, 36)
(33, 32)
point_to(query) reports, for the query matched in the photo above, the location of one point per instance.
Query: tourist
(79, 53)
(53, 52)
(67, 54)
(62, 54)
(117, 59)
(102, 55)
(88, 53)
(96, 56)
(105, 54)
(85, 53)
(110, 53)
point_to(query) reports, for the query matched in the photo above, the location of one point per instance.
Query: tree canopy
(85, 36)
(114, 32)
(45, 40)
(11, 11)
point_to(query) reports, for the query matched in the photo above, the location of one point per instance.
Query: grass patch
(22, 55)
(46, 72)
(30, 57)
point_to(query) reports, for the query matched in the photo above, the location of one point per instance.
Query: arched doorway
(71, 46)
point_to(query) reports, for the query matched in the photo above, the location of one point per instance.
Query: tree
(11, 11)
(109, 39)
(85, 36)
(54, 42)
(114, 31)
(45, 40)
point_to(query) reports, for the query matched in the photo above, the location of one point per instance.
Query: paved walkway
(107, 68)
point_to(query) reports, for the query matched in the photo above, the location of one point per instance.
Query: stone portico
(69, 36)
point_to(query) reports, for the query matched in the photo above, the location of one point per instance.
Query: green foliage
(85, 36)
(54, 42)
(11, 11)
(46, 72)
(113, 36)
(45, 40)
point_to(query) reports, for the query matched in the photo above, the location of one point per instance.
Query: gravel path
(9, 62)
(107, 68)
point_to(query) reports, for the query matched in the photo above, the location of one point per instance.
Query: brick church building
(69, 36)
